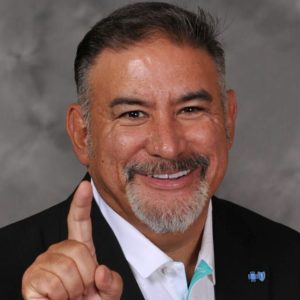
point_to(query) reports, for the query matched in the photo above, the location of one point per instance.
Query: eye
(134, 114)
(191, 110)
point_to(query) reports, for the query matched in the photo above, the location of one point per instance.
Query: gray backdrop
(37, 46)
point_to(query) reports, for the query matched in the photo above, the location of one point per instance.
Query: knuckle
(43, 282)
(76, 249)
(59, 246)
(66, 264)
(53, 247)
(41, 258)
(26, 276)
(30, 273)
(80, 249)
(68, 246)
(53, 283)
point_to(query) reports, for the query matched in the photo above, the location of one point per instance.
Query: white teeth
(171, 176)
(160, 176)
(179, 174)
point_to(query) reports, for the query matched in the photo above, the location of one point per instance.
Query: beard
(172, 216)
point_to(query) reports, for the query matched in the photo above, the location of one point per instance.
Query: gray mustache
(162, 165)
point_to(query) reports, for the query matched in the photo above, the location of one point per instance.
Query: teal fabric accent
(202, 270)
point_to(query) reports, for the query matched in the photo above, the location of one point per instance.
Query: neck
(183, 247)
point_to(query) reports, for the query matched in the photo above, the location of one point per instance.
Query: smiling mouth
(173, 176)
(163, 170)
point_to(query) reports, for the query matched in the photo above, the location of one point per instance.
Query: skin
(69, 269)
(158, 124)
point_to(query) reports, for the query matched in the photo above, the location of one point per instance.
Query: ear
(77, 132)
(231, 113)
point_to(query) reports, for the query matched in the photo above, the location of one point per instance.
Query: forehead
(153, 69)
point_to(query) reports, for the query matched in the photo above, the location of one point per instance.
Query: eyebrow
(200, 95)
(128, 101)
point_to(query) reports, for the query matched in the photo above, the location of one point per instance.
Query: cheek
(118, 146)
(210, 139)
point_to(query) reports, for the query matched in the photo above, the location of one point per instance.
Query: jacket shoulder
(42, 227)
(253, 219)
(275, 237)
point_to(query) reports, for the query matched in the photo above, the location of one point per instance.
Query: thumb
(108, 283)
(79, 218)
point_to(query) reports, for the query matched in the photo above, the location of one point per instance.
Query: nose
(166, 139)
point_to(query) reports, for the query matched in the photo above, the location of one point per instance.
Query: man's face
(158, 131)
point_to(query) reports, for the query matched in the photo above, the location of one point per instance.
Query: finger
(65, 269)
(79, 218)
(81, 255)
(42, 285)
(109, 283)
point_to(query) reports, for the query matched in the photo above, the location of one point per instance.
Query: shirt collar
(140, 252)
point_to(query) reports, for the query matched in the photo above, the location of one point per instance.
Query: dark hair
(144, 21)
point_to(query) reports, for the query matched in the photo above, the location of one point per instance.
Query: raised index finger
(79, 218)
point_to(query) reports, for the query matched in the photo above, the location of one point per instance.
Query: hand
(69, 269)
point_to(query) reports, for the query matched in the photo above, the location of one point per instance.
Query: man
(153, 126)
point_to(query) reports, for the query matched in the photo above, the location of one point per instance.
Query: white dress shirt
(159, 276)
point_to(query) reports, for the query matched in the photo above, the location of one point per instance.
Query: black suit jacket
(243, 240)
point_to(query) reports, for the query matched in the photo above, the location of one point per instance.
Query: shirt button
(166, 270)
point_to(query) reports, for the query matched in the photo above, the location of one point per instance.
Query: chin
(161, 215)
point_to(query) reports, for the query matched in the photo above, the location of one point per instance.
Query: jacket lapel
(240, 274)
(109, 253)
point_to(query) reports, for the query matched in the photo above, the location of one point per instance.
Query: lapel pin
(254, 276)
